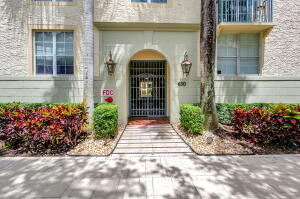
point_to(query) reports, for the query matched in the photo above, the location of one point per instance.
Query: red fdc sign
(107, 92)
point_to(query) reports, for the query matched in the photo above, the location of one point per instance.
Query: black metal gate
(147, 89)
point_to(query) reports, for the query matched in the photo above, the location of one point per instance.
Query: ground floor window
(238, 54)
(54, 53)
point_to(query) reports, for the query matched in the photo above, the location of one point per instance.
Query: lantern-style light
(186, 65)
(110, 65)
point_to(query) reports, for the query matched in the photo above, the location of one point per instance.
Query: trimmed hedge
(105, 120)
(42, 129)
(226, 110)
(192, 118)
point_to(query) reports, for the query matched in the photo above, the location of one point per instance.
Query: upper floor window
(54, 53)
(238, 54)
(149, 1)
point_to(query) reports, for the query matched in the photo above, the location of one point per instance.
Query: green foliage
(34, 105)
(278, 124)
(192, 118)
(44, 129)
(226, 110)
(105, 120)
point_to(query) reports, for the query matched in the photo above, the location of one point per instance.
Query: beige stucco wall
(148, 55)
(17, 80)
(16, 20)
(257, 89)
(282, 46)
(125, 44)
(175, 32)
(178, 11)
(40, 89)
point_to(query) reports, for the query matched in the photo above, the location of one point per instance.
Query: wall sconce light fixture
(186, 65)
(110, 65)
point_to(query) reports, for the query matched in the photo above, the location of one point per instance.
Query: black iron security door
(147, 89)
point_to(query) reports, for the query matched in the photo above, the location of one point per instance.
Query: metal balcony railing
(245, 11)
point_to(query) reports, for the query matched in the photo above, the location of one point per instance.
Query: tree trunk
(207, 57)
(88, 55)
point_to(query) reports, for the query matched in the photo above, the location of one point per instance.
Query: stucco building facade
(42, 50)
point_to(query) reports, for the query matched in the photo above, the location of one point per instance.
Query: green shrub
(192, 118)
(47, 129)
(279, 124)
(105, 120)
(226, 110)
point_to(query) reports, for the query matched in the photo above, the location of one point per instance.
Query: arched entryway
(148, 85)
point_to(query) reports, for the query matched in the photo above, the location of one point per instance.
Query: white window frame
(238, 58)
(54, 66)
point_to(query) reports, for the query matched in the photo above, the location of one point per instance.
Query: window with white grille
(54, 53)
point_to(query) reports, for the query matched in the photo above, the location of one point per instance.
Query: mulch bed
(87, 146)
(228, 141)
(92, 146)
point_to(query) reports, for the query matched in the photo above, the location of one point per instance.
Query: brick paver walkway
(156, 140)
(186, 177)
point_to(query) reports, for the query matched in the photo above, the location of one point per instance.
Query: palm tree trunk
(88, 55)
(207, 56)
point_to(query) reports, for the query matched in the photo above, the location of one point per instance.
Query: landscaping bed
(29, 129)
(87, 146)
(100, 146)
(245, 129)
(228, 142)
(40, 129)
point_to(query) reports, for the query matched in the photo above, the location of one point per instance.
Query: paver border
(117, 141)
(184, 140)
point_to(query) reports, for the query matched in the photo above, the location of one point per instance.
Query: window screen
(227, 50)
(249, 53)
(238, 54)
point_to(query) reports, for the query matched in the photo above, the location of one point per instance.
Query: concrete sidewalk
(151, 177)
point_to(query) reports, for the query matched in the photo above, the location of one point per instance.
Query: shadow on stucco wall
(16, 16)
(15, 20)
(116, 81)
(235, 91)
(109, 10)
(68, 89)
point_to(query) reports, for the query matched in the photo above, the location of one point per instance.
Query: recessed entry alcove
(148, 85)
